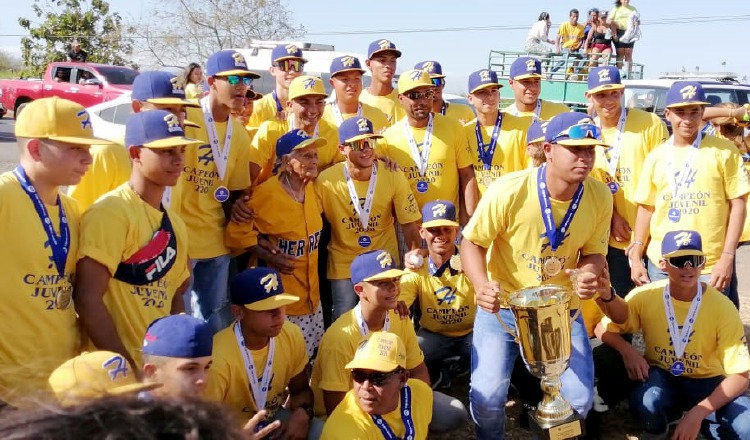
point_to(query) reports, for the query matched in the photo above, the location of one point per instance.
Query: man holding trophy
(536, 235)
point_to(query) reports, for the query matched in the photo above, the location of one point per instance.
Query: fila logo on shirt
(161, 263)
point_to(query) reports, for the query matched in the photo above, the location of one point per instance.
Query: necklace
(293, 192)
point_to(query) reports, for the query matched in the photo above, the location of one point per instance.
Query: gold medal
(64, 296)
(552, 266)
(487, 179)
(455, 263)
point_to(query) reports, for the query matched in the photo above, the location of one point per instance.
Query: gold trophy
(542, 317)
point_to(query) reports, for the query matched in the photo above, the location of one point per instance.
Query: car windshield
(118, 75)
(652, 99)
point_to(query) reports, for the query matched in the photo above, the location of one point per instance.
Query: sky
(664, 46)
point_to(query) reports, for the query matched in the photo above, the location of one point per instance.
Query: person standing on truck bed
(76, 54)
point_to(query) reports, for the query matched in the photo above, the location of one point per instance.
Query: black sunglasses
(375, 378)
(415, 96)
(361, 144)
(683, 261)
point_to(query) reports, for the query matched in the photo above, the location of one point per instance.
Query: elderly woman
(287, 222)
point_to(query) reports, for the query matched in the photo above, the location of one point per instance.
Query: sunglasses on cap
(361, 144)
(438, 82)
(581, 131)
(375, 378)
(683, 261)
(233, 80)
(290, 65)
(416, 96)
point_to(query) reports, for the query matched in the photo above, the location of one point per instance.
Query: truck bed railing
(559, 67)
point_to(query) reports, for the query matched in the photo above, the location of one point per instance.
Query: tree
(100, 32)
(180, 31)
(8, 61)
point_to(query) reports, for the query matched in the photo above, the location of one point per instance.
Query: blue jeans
(663, 397)
(344, 298)
(655, 274)
(493, 355)
(437, 347)
(208, 296)
(619, 271)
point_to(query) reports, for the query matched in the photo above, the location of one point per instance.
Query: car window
(717, 96)
(118, 114)
(83, 74)
(118, 75)
(650, 99)
(61, 74)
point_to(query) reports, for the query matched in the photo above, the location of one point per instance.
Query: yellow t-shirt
(621, 15)
(337, 349)
(548, 111)
(716, 176)
(460, 112)
(447, 302)
(449, 153)
(263, 146)
(110, 167)
(376, 116)
(388, 104)
(746, 229)
(227, 379)
(717, 347)
(115, 227)
(510, 150)
(349, 422)
(643, 132)
(508, 222)
(295, 229)
(193, 91)
(393, 201)
(570, 35)
(202, 213)
(35, 336)
(264, 109)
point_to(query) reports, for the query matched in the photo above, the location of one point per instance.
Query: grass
(9, 74)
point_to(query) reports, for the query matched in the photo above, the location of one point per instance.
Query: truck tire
(19, 109)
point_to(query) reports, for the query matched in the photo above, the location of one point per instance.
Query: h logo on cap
(484, 75)
(302, 134)
(347, 61)
(688, 92)
(270, 282)
(176, 87)
(384, 44)
(239, 60)
(309, 83)
(362, 124)
(429, 66)
(119, 366)
(439, 210)
(385, 259)
(173, 124)
(683, 239)
(291, 48)
(83, 115)
(604, 75)
(415, 75)
(530, 65)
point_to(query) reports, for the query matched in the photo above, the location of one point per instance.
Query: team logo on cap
(116, 365)
(385, 259)
(415, 75)
(173, 124)
(362, 124)
(484, 75)
(239, 60)
(176, 87)
(429, 66)
(347, 61)
(83, 115)
(439, 210)
(270, 282)
(309, 83)
(604, 75)
(530, 64)
(385, 44)
(291, 49)
(689, 92)
(683, 239)
(302, 134)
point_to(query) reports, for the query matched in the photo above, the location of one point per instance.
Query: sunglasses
(683, 261)
(233, 80)
(416, 96)
(361, 144)
(438, 82)
(375, 378)
(580, 131)
(290, 65)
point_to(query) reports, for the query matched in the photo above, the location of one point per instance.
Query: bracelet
(612, 295)
(729, 253)
(636, 243)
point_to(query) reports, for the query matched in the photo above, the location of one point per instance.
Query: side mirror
(92, 82)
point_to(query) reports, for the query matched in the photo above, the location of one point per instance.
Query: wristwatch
(308, 410)
(612, 294)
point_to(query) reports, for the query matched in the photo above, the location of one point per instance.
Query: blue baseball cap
(439, 213)
(228, 62)
(536, 131)
(432, 67)
(374, 265)
(296, 140)
(159, 88)
(481, 79)
(156, 129)
(573, 129)
(604, 78)
(287, 52)
(684, 93)
(259, 289)
(354, 129)
(383, 45)
(178, 336)
(679, 243)
(346, 63)
(525, 67)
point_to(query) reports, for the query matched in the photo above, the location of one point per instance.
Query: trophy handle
(505, 326)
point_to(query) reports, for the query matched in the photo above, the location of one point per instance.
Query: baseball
(416, 260)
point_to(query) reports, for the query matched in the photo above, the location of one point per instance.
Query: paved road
(8, 150)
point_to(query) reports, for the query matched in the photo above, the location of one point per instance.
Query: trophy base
(571, 427)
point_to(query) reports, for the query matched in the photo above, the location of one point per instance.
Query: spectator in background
(538, 37)
(570, 38)
(618, 21)
(192, 81)
(76, 54)
(593, 16)
(599, 40)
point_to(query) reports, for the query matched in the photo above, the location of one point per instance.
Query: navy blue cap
(228, 62)
(259, 288)
(295, 140)
(604, 78)
(683, 93)
(374, 265)
(159, 88)
(679, 243)
(346, 63)
(286, 52)
(354, 129)
(432, 67)
(536, 132)
(439, 213)
(178, 336)
(383, 45)
(573, 129)
(155, 129)
(481, 79)
(525, 67)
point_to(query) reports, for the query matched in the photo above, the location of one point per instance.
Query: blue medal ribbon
(278, 103)
(487, 153)
(444, 108)
(555, 235)
(436, 271)
(386, 430)
(59, 244)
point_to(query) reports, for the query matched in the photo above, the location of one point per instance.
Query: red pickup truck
(84, 83)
